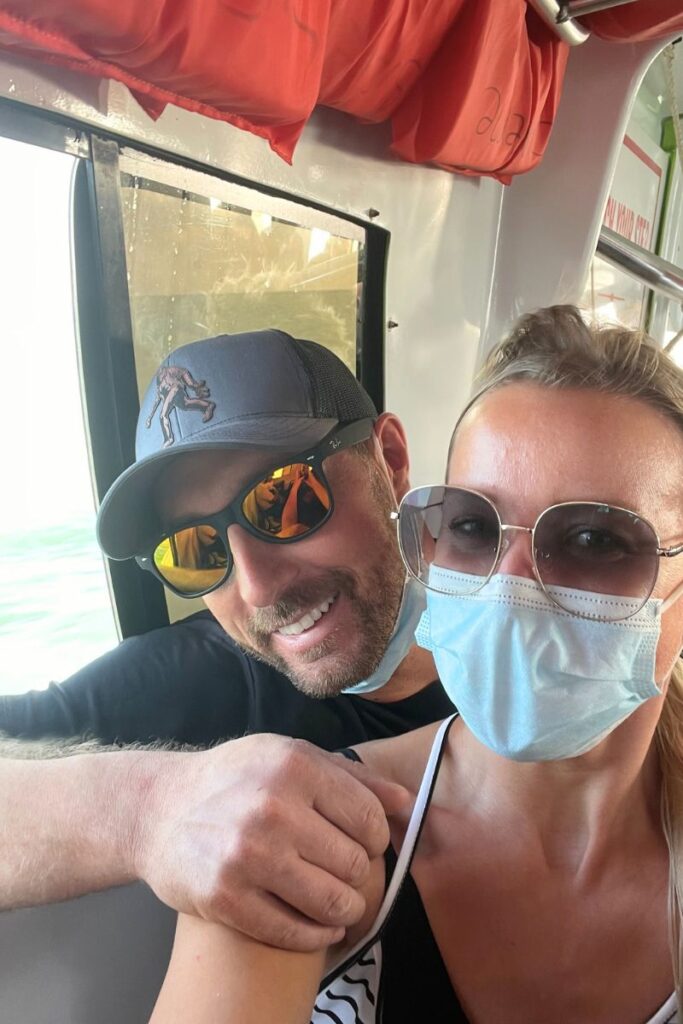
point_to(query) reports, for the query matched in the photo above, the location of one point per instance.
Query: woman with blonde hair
(537, 875)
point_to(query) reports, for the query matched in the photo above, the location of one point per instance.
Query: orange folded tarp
(470, 85)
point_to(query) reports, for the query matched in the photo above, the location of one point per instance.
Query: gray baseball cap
(263, 390)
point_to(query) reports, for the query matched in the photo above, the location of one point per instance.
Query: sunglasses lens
(597, 548)
(289, 502)
(193, 561)
(449, 528)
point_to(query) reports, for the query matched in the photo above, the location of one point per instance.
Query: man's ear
(391, 440)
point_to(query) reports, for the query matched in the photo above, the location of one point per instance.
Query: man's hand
(269, 835)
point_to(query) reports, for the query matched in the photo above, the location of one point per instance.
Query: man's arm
(266, 834)
(66, 825)
(184, 683)
(262, 833)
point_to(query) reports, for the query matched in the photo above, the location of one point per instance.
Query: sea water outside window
(55, 612)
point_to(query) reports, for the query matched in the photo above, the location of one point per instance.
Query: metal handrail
(651, 270)
(559, 16)
(568, 31)
(579, 8)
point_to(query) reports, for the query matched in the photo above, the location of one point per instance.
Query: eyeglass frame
(341, 437)
(660, 552)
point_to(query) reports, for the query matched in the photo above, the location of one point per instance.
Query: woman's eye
(471, 529)
(597, 543)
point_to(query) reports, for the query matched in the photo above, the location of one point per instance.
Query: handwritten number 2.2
(513, 127)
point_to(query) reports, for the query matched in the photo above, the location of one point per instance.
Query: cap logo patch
(174, 384)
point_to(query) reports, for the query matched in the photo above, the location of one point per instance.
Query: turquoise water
(55, 612)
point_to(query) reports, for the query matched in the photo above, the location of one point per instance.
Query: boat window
(55, 609)
(645, 207)
(666, 313)
(205, 257)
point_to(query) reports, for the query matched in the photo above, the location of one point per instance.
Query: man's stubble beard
(374, 598)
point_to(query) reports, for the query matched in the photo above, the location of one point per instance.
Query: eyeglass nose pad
(503, 546)
(521, 561)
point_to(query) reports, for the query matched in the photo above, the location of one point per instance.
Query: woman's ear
(391, 440)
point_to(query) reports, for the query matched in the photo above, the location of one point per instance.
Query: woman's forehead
(543, 445)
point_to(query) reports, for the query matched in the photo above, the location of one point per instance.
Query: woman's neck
(569, 815)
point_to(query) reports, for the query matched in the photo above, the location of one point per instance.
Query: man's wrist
(154, 784)
(103, 824)
(146, 788)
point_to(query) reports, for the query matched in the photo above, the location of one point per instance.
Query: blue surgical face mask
(401, 640)
(531, 681)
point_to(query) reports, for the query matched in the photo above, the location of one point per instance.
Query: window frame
(103, 317)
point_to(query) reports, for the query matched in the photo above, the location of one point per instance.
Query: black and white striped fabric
(353, 997)
(353, 992)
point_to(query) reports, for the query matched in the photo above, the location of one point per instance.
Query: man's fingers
(393, 797)
(269, 920)
(321, 843)
(318, 895)
(347, 798)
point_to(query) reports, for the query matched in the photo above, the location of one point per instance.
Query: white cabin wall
(443, 230)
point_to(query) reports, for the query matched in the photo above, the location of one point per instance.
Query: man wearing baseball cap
(263, 482)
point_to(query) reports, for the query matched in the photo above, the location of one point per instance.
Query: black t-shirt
(190, 683)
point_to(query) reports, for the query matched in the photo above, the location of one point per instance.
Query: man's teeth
(307, 620)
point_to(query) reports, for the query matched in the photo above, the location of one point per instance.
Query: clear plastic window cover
(202, 261)
(186, 179)
(207, 257)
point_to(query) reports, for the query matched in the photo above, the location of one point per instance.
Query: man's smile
(317, 632)
(308, 619)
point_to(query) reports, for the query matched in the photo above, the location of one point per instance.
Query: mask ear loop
(675, 594)
(408, 578)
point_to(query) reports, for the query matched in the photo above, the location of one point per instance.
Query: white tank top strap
(407, 851)
(666, 1014)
